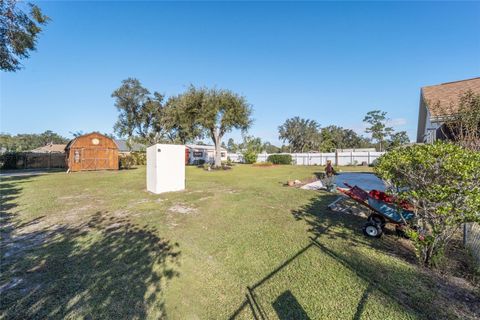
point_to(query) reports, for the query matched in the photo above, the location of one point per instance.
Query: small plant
(280, 158)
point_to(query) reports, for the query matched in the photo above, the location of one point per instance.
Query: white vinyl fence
(472, 239)
(235, 157)
(340, 158)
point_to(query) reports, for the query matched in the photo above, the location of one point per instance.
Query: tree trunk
(217, 140)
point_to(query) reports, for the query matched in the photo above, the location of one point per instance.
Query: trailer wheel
(377, 219)
(371, 229)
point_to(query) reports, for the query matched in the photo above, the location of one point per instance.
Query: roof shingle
(443, 98)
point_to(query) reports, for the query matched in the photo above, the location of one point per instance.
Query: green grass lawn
(235, 244)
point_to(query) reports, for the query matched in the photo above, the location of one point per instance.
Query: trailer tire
(371, 229)
(377, 219)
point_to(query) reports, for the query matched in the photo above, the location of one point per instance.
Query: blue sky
(328, 61)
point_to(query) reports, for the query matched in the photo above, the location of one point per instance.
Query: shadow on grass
(348, 227)
(337, 235)
(103, 268)
(287, 307)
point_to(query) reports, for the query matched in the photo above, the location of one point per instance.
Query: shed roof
(72, 142)
(442, 99)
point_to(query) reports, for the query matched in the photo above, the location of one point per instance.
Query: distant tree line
(304, 135)
(26, 142)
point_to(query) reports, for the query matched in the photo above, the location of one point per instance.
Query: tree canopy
(301, 134)
(26, 142)
(20, 25)
(141, 114)
(334, 137)
(215, 112)
(378, 126)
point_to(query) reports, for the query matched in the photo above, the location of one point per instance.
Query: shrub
(250, 156)
(140, 158)
(442, 181)
(280, 158)
(229, 162)
(11, 160)
(126, 161)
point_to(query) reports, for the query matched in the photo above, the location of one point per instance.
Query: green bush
(442, 181)
(280, 158)
(126, 161)
(140, 158)
(250, 157)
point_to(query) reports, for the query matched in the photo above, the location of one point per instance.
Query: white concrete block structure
(165, 168)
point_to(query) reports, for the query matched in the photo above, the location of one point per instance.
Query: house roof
(123, 147)
(204, 147)
(442, 99)
(50, 148)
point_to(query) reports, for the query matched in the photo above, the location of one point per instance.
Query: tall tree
(270, 148)
(20, 25)
(302, 134)
(217, 111)
(378, 126)
(181, 113)
(334, 137)
(231, 145)
(141, 114)
(398, 139)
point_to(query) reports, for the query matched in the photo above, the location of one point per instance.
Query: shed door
(95, 159)
(88, 159)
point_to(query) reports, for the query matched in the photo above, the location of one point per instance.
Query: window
(223, 154)
(197, 154)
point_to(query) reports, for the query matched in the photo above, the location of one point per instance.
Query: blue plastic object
(389, 210)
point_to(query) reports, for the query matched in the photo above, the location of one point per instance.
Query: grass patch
(234, 244)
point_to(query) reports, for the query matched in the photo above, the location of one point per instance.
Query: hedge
(280, 158)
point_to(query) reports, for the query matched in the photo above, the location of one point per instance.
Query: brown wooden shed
(92, 151)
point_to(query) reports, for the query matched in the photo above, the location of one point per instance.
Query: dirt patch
(300, 183)
(182, 208)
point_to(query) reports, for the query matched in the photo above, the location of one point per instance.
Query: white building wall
(207, 154)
